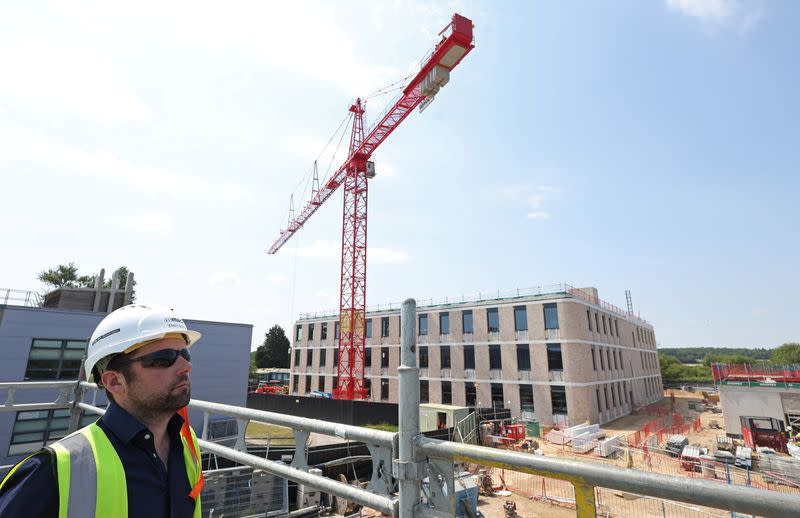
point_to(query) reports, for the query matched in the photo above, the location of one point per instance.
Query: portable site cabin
(436, 417)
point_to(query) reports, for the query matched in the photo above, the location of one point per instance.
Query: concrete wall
(220, 360)
(633, 372)
(737, 401)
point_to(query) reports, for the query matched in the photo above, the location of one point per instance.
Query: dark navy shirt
(153, 491)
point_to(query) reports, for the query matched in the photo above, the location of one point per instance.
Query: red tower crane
(456, 42)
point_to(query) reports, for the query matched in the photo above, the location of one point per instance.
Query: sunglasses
(162, 359)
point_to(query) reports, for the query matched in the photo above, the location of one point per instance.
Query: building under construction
(556, 354)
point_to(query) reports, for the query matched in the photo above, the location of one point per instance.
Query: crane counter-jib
(456, 43)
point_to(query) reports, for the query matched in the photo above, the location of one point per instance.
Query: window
(55, 359)
(558, 394)
(310, 332)
(335, 383)
(447, 393)
(526, 397)
(298, 334)
(444, 356)
(384, 356)
(599, 407)
(492, 320)
(335, 359)
(520, 318)
(616, 327)
(497, 395)
(34, 429)
(597, 322)
(423, 325)
(550, 316)
(602, 361)
(608, 358)
(605, 330)
(466, 321)
(423, 356)
(605, 394)
(589, 319)
(323, 331)
(367, 356)
(295, 383)
(423, 391)
(368, 332)
(444, 323)
(296, 358)
(470, 393)
(322, 358)
(495, 357)
(384, 389)
(308, 384)
(321, 384)
(523, 357)
(554, 360)
(336, 330)
(616, 360)
(613, 396)
(384, 327)
(368, 387)
(469, 356)
(594, 360)
(309, 356)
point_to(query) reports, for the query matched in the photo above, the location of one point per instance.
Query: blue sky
(649, 146)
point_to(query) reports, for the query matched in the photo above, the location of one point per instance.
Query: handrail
(27, 298)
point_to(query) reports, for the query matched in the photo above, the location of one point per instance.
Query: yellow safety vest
(91, 479)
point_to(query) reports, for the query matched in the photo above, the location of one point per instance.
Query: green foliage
(386, 427)
(786, 354)
(697, 354)
(274, 352)
(62, 276)
(728, 358)
(673, 370)
(66, 276)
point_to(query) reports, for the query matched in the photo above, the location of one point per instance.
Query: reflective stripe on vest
(91, 479)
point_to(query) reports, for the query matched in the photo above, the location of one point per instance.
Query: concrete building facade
(48, 344)
(558, 354)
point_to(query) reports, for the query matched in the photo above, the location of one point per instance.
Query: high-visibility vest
(91, 479)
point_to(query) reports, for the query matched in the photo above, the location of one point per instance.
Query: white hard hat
(129, 326)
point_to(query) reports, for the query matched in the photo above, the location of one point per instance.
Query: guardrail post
(74, 411)
(408, 408)
(585, 505)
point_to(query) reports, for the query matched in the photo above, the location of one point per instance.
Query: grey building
(48, 343)
(557, 353)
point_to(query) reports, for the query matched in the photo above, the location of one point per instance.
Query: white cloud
(714, 10)
(539, 215)
(152, 222)
(375, 255)
(218, 278)
(742, 15)
(49, 72)
(106, 167)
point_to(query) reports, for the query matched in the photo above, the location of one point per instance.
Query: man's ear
(114, 382)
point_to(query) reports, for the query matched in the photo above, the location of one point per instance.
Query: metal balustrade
(401, 460)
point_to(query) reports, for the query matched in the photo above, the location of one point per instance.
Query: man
(141, 458)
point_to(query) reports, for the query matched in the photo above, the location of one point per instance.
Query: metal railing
(402, 460)
(560, 289)
(26, 298)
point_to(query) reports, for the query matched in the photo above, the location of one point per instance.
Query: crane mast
(456, 42)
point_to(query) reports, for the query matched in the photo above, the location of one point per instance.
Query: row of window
(605, 355)
(35, 429)
(620, 395)
(492, 323)
(558, 394)
(649, 360)
(555, 361)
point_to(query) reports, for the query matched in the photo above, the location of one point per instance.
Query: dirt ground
(492, 507)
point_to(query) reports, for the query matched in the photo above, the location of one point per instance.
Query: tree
(62, 276)
(274, 352)
(786, 354)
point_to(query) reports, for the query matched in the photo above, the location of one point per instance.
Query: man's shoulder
(31, 488)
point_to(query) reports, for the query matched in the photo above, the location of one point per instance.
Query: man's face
(158, 390)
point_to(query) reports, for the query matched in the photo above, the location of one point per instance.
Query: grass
(280, 435)
(386, 427)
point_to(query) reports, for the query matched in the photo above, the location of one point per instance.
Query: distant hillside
(696, 354)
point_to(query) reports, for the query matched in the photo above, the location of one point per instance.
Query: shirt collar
(126, 427)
